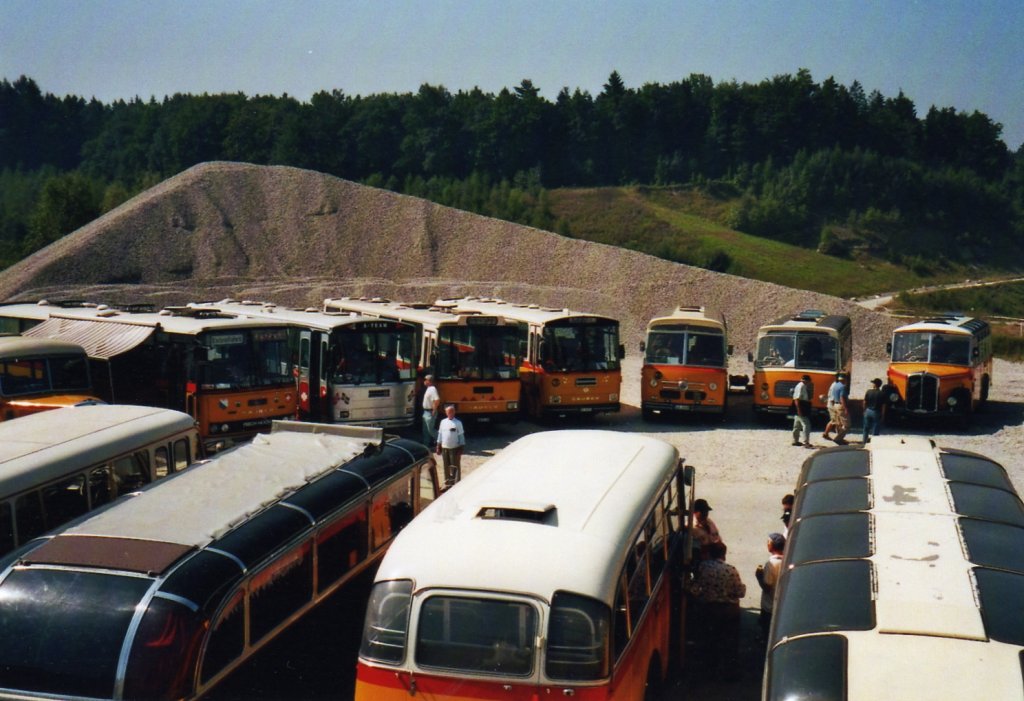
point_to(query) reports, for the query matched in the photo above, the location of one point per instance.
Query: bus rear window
(808, 668)
(577, 645)
(489, 636)
(62, 632)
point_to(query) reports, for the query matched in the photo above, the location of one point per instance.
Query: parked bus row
(236, 366)
(903, 578)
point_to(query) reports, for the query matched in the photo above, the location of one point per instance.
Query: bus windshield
(244, 358)
(928, 347)
(581, 348)
(33, 375)
(807, 351)
(685, 348)
(478, 352)
(372, 357)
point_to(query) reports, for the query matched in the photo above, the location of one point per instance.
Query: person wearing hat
(703, 529)
(838, 412)
(802, 407)
(874, 408)
(768, 576)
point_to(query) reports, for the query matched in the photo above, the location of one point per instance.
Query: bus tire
(983, 401)
(652, 686)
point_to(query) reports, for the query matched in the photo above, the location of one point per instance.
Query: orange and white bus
(570, 359)
(940, 366)
(351, 369)
(234, 375)
(474, 357)
(38, 374)
(809, 343)
(686, 364)
(164, 593)
(539, 575)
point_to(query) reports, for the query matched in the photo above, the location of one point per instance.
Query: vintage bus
(352, 369)
(473, 357)
(809, 343)
(162, 594)
(39, 374)
(234, 375)
(903, 578)
(570, 359)
(539, 575)
(941, 366)
(60, 464)
(686, 364)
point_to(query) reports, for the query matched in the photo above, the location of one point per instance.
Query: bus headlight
(555, 399)
(764, 396)
(658, 375)
(713, 386)
(512, 406)
(894, 397)
(654, 382)
(613, 397)
(555, 382)
(951, 401)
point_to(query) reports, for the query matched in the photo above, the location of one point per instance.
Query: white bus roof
(15, 347)
(808, 320)
(592, 487)
(955, 324)
(698, 316)
(312, 318)
(530, 313)
(38, 448)
(194, 507)
(426, 315)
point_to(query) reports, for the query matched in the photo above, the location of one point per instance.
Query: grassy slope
(686, 226)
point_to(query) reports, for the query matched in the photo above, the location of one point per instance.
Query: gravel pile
(295, 237)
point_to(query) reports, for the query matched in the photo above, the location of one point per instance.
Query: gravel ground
(744, 467)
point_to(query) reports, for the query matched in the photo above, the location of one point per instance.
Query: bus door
(305, 359)
(322, 369)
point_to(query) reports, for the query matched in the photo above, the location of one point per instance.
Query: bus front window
(704, 349)
(71, 373)
(478, 352)
(272, 356)
(665, 347)
(371, 357)
(816, 351)
(581, 348)
(910, 347)
(775, 350)
(491, 636)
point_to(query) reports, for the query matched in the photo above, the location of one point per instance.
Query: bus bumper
(579, 410)
(669, 408)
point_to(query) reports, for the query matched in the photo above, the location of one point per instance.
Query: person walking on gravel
(802, 407)
(838, 412)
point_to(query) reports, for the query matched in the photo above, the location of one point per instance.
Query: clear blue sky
(949, 53)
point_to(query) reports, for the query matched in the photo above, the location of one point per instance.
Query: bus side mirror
(643, 347)
(750, 356)
(975, 352)
(728, 351)
(888, 348)
(689, 474)
(622, 351)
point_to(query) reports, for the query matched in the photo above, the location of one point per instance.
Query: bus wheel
(984, 390)
(652, 687)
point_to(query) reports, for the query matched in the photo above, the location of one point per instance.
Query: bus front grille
(586, 381)
(784, 389)
(922, 392)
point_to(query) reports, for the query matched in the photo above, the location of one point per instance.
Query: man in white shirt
(431, 406)
(451, 439)
(802, 405)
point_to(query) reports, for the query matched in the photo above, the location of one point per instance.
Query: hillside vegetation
(818, 166)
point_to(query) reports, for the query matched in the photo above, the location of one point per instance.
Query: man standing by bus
(802, 411)
(451, 439)
(431, 407)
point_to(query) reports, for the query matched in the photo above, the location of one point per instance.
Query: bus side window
(129, 474)
(639, 587)
(28, 512)
(6, 527)
(391, 511)
(341, 546)
(181, 457)
(100, 486)
(227, 639)
(621, 622)
(281, 589)
(161, 462)
(64, 501)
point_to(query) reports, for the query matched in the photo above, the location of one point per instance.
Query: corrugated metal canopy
(100, 339)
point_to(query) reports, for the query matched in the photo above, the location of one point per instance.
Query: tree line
(816, 164)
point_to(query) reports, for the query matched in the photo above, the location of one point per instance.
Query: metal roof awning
(100, 339)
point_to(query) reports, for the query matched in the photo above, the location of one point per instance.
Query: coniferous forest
(803, 162)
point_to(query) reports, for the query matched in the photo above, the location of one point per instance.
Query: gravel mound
(295, 237)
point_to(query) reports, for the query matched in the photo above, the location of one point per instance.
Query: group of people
(836, 400)
(715, 588)
(446, 436)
